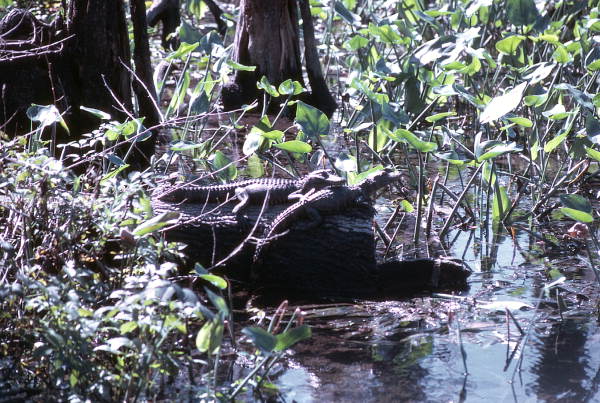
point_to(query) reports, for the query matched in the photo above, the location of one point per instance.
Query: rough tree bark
(267, 36)
(84, 61)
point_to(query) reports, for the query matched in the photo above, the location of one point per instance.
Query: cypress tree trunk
(267, 36)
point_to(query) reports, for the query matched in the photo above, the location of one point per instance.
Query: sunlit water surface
(410, 350)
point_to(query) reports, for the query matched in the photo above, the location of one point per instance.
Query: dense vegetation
(499, 93)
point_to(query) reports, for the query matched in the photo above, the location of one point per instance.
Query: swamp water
(464, 347)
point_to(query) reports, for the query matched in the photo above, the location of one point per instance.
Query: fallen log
(335, 259)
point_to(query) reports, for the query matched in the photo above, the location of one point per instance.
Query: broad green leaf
(555, 142)
(184, 145)
(295, 146)
(414, 141)
(156, 223)
(521, 12)
(96, 112)
(269, 88)
(356, 42)
(276, 135)
(500, 106)
(238, 66)
(114, 172)
(439, 116)
(577, 207)
(255, 166)
(313, 122)
(509, 45)
(593, 153)
(561, 55)
(406, 206)
(500, 149)
(262, 339)
(218, 301)
(384, 33)
(128, 327)
(289, 87)
(452, 157)
(290, 337)
(46, 115)
(219, 162)
(557, 112)
(183, 50)
(501, 203)
(217, 281)
(577, 215)
(210, 336)
(254, 140)
(541, 71)
(523, 122)
(594, 66)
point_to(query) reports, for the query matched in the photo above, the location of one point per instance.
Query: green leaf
(501, 203)
(269, 88)
(594, 66)
(523, 122)
(509, 45)
(295, 146)
(290, 337)
(114, 172)
(217, 281)
(96, 112)
(384, 33)
(313, 122)
(555, 142)
(128, 327)
(439, 116)
(255, 166)
(452, 157)
(210, 336)
(47, 115)
(254, 140)
(522, 12)
(240, 67)
(577, 207)
(414, 141)
(558, 112)
(219, 162)
(262, 339)
(276, 135)
(289, 87)
(356, 42)
(218, 302)
(406, 206)
(156, 223)
(183, 50)
(562, 55)
(498, 150)
(500, 106)
(593, 153)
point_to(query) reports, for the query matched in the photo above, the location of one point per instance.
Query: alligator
(329, 200)
(254, 191)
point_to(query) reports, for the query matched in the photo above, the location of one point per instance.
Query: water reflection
(413, 350)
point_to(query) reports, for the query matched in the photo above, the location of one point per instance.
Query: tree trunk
(267, 37)
(85, 62)
(101, 53)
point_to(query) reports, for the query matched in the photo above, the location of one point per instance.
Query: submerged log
(334, 259)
